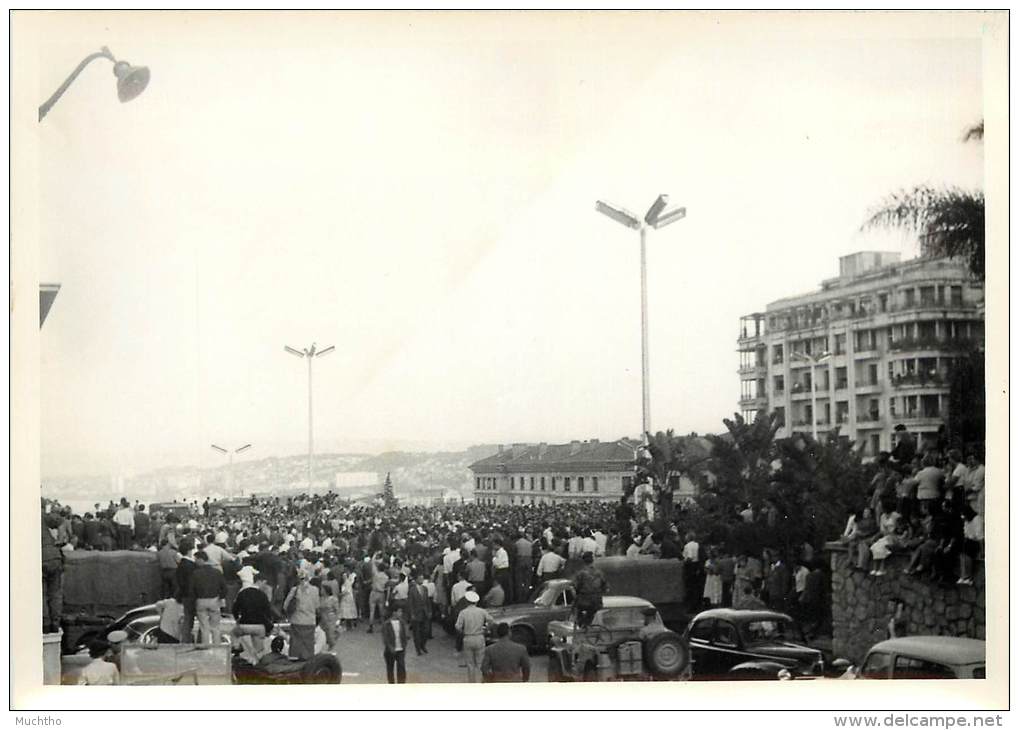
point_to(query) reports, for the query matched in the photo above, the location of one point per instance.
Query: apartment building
(555, 473)
(873, 348)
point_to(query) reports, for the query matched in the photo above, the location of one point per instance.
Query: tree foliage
(967, 402)
(664, 461)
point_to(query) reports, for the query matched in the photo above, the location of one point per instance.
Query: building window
(779, 384)
(543, 484)
(532, 484)
(594, 484)
(955, 293)
(580, 484)
(477, 484)
(777, 355)
(553, 483)
(927, 295)
(840, 379)
(780, 416)
(840, 344)
(627, 485)
(566, 484)
(511, 484)
(909, 297)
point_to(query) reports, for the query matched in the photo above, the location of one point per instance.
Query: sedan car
(528, 622)
(923, 657)
(728, 644)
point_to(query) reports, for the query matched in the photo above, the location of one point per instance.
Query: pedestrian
(348, 606)
(394, 640)
(171, 617)
(52, 576)
(185, 568)
(301, 605)
(495, 597)
(329, 614)
(100, 671)
(208, 588)
(252, 612)
(167, 557)
(470, 624)
(501, 566)
(419, 612)
(124, 521)
(591, 586)
(377, 598)
(505, 660)
(523, 566)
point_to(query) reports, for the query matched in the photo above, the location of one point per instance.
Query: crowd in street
(929, 506)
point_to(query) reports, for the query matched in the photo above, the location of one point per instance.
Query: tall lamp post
(310, 353)
(230, 460)
(814, 362)
(131, 80)
(657, 218)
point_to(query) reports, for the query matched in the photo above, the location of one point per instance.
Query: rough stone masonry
(860, 604)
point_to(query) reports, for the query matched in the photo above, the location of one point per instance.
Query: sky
(418, 190)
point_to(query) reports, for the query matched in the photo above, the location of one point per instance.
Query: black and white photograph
(561, 348)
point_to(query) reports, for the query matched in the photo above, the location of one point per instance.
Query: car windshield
(546, 596)
(769, 630)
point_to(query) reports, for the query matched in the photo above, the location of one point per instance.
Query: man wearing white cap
(253, 614)
(471, 625)
(217, 552)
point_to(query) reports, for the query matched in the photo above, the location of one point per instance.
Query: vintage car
(655, 580)
(923, 657)
(528, 622)
(732, 644)
(322, 668)
(626, 640)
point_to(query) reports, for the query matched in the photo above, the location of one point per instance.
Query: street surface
(360, 655)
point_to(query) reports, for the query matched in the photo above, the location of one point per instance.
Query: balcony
(756, 401)
(933, 305)
(869, 419)
(919, 380)
(931, 417)
(756, 370)
(867, 387)
(958, 344)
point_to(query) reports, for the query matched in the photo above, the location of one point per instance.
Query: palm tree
(666, 458)
(949, 221)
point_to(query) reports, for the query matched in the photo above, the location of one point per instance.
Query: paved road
(360, 655)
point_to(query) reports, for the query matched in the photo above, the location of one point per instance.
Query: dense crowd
(929, 506)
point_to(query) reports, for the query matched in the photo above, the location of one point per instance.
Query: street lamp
(814, 361)
(310, 353)
(230, 461)
(131, 80)
(657, 218)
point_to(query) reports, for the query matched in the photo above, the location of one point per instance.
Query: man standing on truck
(591, 586)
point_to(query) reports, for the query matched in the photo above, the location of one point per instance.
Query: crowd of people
(326, 566)
(929, 506)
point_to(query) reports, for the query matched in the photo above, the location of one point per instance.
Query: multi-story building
(873, 347)
(555, 473)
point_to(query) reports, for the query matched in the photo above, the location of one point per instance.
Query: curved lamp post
(131, 80)
(229, 453)
(657, 217)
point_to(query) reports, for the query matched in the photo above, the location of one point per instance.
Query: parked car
(528, 622)
(923, 657)
(729, 644)
(658, 581)
(626, 640)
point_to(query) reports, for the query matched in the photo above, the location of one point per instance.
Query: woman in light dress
(348, 605)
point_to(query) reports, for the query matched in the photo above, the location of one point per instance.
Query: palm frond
(976, 132)
(948, 221)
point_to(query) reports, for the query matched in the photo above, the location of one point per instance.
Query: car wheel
(322, 669)
(523, 636)
(666, 655)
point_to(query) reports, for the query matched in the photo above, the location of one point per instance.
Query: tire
(322, 669)
(666, 655)
(523, 636)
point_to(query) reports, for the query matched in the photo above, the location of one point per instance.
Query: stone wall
(860, 611)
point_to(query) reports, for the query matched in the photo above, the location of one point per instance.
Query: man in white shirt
(123, 518)
(99, 671)
(601, 541)
(217, 553)
(575, 545)
(501, 565)
(459, 590)
(550, 564)
(588, 544)
(692, 549)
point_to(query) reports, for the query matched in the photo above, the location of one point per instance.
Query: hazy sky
(419, 191)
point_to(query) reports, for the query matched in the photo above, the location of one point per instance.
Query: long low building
(554, 473)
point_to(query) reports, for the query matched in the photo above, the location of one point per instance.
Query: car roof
(625, 602)
(739, 615)
(942, 649)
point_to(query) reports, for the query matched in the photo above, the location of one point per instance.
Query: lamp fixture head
(131, 80)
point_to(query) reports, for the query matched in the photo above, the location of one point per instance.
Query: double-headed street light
(814, 362)
(131, 80)
(230, 462)
(310, 353)
(656, 217)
